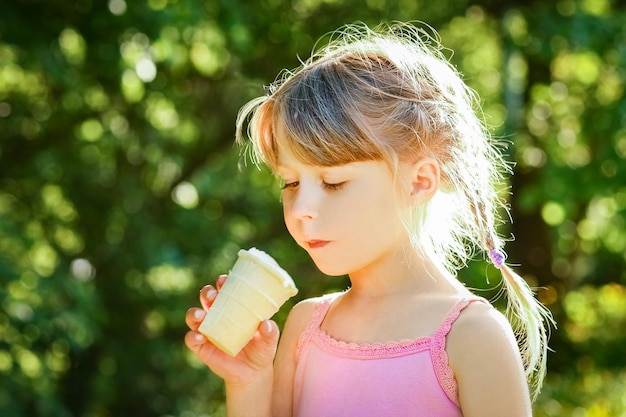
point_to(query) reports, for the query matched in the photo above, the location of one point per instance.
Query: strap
(441, 365)
(321, 309)
(454, 314)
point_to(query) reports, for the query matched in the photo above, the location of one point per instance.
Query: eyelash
(289, 185)
(331, 187)
(334, 187)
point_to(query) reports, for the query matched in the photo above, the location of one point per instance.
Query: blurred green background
(121, 192)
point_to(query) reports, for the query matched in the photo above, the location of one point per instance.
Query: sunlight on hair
(532, 323)
(390, 94)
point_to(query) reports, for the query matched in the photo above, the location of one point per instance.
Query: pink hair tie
(497, 257)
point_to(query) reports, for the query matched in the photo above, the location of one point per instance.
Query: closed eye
(335, 186)
(326, 185)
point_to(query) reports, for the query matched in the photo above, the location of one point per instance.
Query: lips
(316, 244)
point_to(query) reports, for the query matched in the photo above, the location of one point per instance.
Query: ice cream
(254, 291)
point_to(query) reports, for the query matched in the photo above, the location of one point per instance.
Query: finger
(194, 340)
(207, 296)
(194, 317)
(220, 281)
(205, 350)
(263, 347)
(198, 344)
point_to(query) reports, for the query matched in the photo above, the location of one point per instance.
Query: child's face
(346, 217)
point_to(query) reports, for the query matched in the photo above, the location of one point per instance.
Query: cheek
(289, 219)
(383, 216)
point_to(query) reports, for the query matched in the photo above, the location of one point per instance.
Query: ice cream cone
(254, 291)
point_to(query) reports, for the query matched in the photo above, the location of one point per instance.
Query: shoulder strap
(454, 314)
(444, 373)
(314, 323)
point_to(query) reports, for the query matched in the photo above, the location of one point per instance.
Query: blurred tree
(121, 193)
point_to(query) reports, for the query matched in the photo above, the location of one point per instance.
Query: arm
(248, 377)
(253, 399)
(487, 365)
(253, 386)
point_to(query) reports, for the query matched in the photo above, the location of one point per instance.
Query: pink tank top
(397, 379)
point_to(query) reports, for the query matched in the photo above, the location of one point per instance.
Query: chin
(331, 261)
(331, 270)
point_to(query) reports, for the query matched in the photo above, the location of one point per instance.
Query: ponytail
(529, 319)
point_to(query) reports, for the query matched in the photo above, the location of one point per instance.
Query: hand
(255, 359)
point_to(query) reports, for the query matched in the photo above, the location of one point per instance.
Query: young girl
(389, 177)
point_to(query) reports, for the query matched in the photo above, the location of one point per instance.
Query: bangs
(314, 119)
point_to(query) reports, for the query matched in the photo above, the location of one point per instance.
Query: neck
(402, 272)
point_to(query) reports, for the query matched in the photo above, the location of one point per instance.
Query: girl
(389, 177)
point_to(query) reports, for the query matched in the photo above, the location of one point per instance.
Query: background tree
(121, 193)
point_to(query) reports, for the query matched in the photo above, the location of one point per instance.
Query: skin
(348, 220)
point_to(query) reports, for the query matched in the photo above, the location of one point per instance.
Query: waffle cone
(255, 290)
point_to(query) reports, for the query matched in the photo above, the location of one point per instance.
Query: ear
(425, 179)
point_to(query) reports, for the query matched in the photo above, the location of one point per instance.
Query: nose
(305, 202)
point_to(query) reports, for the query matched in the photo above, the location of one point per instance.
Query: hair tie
(497, 257)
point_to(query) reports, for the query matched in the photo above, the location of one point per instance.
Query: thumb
(269, 332)
(262, 348)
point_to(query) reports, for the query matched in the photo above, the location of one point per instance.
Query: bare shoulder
(298, 318)
(481, 323)
(302, 312)
(485, 357)
(305, 307)
(481, 333)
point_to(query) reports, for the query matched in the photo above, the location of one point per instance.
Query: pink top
(407, 378)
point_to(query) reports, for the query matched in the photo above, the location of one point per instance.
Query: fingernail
(198, 314)
(211, 293)
(198, 337)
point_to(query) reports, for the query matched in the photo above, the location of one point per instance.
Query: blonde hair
(389, 94)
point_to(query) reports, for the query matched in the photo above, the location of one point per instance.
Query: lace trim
(441, 363)
(314, 324)
(435, 343)
(371, 350)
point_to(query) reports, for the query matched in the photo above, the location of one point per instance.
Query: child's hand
(256, 358)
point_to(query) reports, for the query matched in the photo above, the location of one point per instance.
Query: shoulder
(485, 357)
(301, 314)
(478, 320)
(307, 306)
(481, 331)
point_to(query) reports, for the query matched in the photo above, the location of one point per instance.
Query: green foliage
(121, 193)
